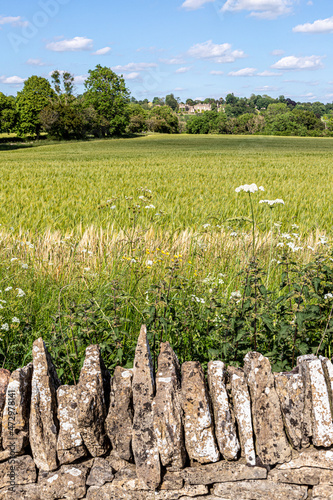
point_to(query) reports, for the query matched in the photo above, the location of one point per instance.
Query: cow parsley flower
(249, 188)
(24, 266)
(150, 206)
(15, 320)
(5, 327)
(328, 296)
(8, 288)
(20, 292)
(271, 203)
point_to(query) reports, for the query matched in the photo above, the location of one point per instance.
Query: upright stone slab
(271, 443)
(119, 422)
(242, 409)
(198, 418)
(70, 445)
(4, 380)
(302, 362)
(328, 373)
(144, 442)
(15, 423)
(290, 389)
(225, 430)
(322, 427)
(43, 423)
(167, 409)
(93, 392)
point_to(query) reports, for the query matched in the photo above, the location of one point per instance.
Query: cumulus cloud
(36, 62)
(13, 21)
(12, 80)
(268, 73)
(319, 26)
(134, 67)
(184, 69)
(265, 9)
(195, 4)
(299, 63)
(220, 53)
(173, 60)
(243, 72)
(102, 52)
(71, 45)
(80, 79)
(132, 76)
(277, 52)
(266, 88)
(214, 72)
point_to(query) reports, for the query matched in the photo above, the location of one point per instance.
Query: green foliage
(35, 95)
(172, 102)
(162, 119)
(107, 93)
(8, 114)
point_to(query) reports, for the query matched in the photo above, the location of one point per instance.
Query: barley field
(100, 236)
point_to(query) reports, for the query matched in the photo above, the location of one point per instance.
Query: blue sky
(192, 48)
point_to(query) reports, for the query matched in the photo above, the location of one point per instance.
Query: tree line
(106, 109)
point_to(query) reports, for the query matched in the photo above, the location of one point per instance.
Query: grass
(93, 273)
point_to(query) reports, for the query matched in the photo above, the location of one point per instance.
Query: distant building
(198, 108)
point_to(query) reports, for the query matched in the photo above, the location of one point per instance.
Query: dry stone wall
(237, 434)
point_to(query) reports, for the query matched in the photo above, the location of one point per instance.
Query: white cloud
(266, 88)
(71, 45)
(184, 69)
(80, 79)
(265, 9)
(101, 52)
(319, 26)
(299, 63)
(132, 76)
(36, 62)
(216, 72)
(13, 21)
(243, 72)
(194, 4)
(173, 60)
(179, 89)
(268, 73)
(220, 53)
(12, 80)
(134, 67)
(277, 52)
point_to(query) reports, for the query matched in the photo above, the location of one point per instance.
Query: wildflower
(149, 263)
(5, 327)
(198, 299)
(13, 259)
(8, 288)
(233, 233)
(113, 207)
(294, 226)
(90, 253)
(328, 296)
(271, 203)
(133, 261)
(20, 292)
(286, 235)
(3, 301)
(1, 306)
(141, 197)
(323, 240)
(86, 269)
(236, 295)
(150, 206)
(277, 224)
(206, 225)
(24, 266)
(281, 244)
(15, 320)
(249, 188)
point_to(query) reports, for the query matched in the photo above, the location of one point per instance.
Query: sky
(191, 48)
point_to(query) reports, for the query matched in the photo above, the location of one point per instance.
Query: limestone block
(225, 430)
(198, 418)
(67, 482)
(167, 409)
(127, 480)
(302, 362)
(304, 475)
(93, 392)
(310, 457)
(4, 379)
(172, 481)
(15, 422)
(290, 390)
(43, 422)
(191, 491)
(322, 492)
(21, 492)
(119, 422)
(259, 490)
(109, 492)
(144, 442)
(328, 373)
(242, 409)
(116, 462)
(221, 472)
(322, 427)
(70, 445)
(271, 443)
(20, 470)
(100, 473)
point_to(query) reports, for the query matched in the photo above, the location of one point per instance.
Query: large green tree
(107, 93)
(8, 114)
(35, 95)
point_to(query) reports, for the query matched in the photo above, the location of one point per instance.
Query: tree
(107, 93)
(137, 119)
(8, 114)
(36, 94)
(172, 102)
(162, 119)
(63, 89)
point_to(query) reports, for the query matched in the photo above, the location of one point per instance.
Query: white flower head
(249, 188)
(20, 292)
(24, 266)
(8, 288)
(113, 207)
(150, 206)
(5, 327)
(149, 262)
(328, 296)
(206, 225)
(13, 259)
(236, 295)
(271, 203)
(15, 320)
(86, 269)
